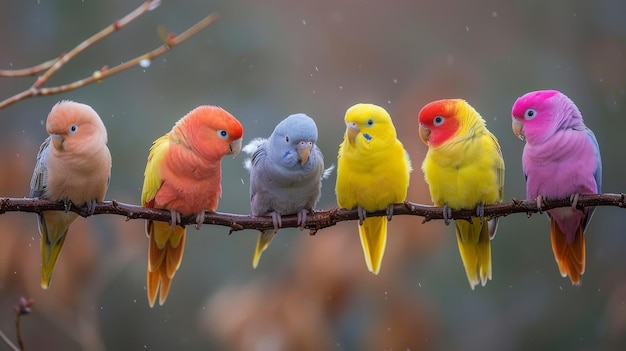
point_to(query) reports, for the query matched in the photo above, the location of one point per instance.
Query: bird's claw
(362, 214)
(67, 204)
(175, 217)
(302, 214)
(389, 211)
(540, 202)
(574, 200)
(447, 214)
(200, 219)
(89, 205)
(480, 211)
(276, 220)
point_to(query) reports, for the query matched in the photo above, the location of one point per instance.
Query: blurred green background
(262, 61)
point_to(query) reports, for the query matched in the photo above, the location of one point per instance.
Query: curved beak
(518, 129)
(304, 150)
(352, 131)
(235, 147)
(424, 133)
(57, 141)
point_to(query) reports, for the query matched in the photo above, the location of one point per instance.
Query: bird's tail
(262, 243)
(50, 250)
(53, 230)
(475, 250)
(373, 233)
(569, 256)
(166, 245)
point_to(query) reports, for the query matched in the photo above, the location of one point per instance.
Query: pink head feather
(543, 112)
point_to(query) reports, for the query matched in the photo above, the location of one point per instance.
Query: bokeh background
(262, 61)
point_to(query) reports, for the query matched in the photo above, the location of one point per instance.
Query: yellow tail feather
(50, 251)
(569, 257)
(373, 235)
(51, 243)
(262, 243)
(475, 250)
(165, 253)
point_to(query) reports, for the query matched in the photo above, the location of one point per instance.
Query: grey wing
(325, 173)
(256, 168)
(319, 163)
(321, 174)
(597, 175)
(39, 181)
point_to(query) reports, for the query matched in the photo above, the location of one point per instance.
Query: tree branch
(52, 66)
(30, 71)
(8, 341)
(317, 220)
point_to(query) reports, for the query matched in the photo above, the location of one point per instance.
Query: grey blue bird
(286, 172)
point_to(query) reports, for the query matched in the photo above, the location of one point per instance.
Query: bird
(373, 171)
(464, 169)
(183, 175)
(74, 167)
(286, 172)
(561, 159)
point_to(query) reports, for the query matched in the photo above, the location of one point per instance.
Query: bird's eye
(530, 114)
(438, 120)
(370, 122)
(73, 129)
(286, 138)
(222, 134)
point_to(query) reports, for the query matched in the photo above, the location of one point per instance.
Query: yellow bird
(372, 174)
(464, 169)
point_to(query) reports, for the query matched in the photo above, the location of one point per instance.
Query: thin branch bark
(52, 66)
(317, 220)
(30, 71)
(8, 341)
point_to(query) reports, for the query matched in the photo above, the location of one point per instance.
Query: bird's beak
(518, 129)
(352, 131)
(424, 134)
(57, 141)
(304, 150)
(235, 147)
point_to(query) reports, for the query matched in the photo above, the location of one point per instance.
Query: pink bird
(561, 159)
(73, 166)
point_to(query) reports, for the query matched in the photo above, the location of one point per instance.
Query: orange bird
(183, 175)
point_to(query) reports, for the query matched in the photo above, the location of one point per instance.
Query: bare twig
(8, 341)
(30, 71)
(54, 65)
(115, 26)
(317, 220)
(24, 307)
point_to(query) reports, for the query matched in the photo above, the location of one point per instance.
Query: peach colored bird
(183, 175)
(73, 166)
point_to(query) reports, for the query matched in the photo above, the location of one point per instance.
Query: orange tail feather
(165, 253)
(569, 257)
